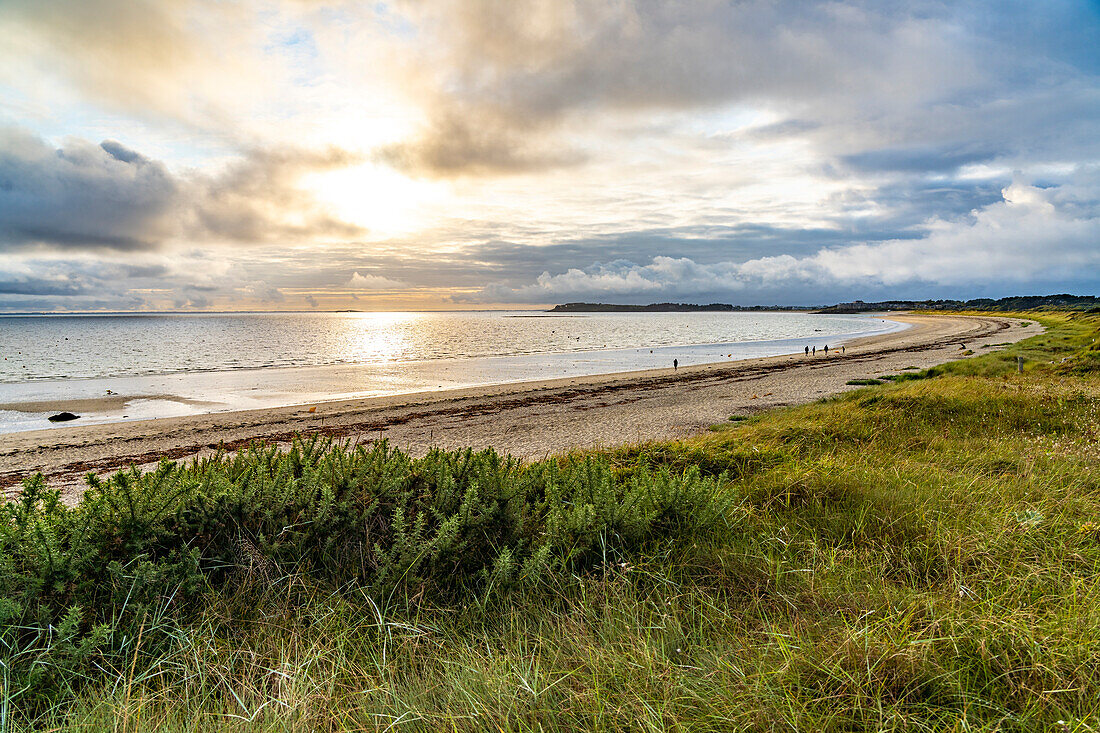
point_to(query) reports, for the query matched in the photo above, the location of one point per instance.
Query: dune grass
(918, 555)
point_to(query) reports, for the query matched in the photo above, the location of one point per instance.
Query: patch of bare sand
(107, 403)
(529, 420)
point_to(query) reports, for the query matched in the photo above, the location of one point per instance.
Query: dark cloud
(73, 304)
(118, 151)
(82, 195)
(918, 159)
(142, 271)
(471, 142)
(191, 280)
(75, 281)
(108, 196)
(904, 207)
(510, 262)
(41, 287)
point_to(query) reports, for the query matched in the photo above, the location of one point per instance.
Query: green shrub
(79, 584)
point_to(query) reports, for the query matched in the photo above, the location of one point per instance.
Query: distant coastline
(669, 308)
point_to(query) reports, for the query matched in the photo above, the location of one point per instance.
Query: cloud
(196, 279)
(76, 281)
(82, 194)
(518, 86)
(189, 61)
(191, 299)
(512, 72)
(41, 287)
(373, 282)
(265, 292)
(995, 247)
(249, 200)
(107, 196)
(470, 142)
(918, 159)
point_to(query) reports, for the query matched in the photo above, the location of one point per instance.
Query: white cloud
(373, 282)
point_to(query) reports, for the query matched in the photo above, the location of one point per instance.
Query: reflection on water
(374, 337)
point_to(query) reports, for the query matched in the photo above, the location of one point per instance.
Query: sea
(119, 367)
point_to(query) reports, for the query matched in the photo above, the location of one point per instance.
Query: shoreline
(527, 419)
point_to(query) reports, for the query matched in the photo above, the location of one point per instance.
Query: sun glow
(379, 199)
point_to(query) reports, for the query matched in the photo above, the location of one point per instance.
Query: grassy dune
(917, 555)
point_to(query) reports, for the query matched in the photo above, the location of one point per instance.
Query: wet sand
(529, 420)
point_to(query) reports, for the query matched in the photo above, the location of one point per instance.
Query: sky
(444, 154)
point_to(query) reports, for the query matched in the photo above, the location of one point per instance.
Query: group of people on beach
(809, 350)
(813, 350)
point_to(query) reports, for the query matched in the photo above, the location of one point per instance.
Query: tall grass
(920, 555)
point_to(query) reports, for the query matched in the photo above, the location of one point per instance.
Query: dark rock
(62, 417)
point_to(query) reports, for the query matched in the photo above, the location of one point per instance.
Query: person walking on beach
(826, 349)
(675, 364)
(842, 348)
(807, 351)
(814, 352)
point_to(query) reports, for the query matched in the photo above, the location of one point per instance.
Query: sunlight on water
(377, 336)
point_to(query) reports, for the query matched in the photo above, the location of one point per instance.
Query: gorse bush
(77, 584)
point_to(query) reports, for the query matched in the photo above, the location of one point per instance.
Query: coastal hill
(1015, 303)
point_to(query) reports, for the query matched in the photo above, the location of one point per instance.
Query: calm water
(188, 363)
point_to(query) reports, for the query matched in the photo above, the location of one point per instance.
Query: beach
(529, 419)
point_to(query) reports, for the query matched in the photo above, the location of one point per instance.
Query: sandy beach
(529, 419)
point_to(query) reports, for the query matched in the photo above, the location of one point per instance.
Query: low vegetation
(917, 555)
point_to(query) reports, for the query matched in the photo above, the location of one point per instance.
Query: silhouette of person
(826, 349)
(807, 351)
(675, 364)
(842, 349)
(814, 351)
